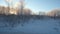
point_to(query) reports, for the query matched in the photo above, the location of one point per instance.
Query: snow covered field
(34, 26)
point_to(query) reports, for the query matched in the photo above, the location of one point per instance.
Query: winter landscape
(30, 25)
(37, 17)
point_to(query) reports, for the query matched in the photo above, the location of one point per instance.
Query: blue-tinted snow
(45, 26)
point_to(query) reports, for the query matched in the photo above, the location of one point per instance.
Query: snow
(37, 26)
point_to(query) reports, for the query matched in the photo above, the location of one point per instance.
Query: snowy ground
(34, 26)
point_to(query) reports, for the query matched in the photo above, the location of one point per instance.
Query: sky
(38, 5)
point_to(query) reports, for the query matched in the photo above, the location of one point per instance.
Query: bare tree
(21, 7)
(8, 3)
